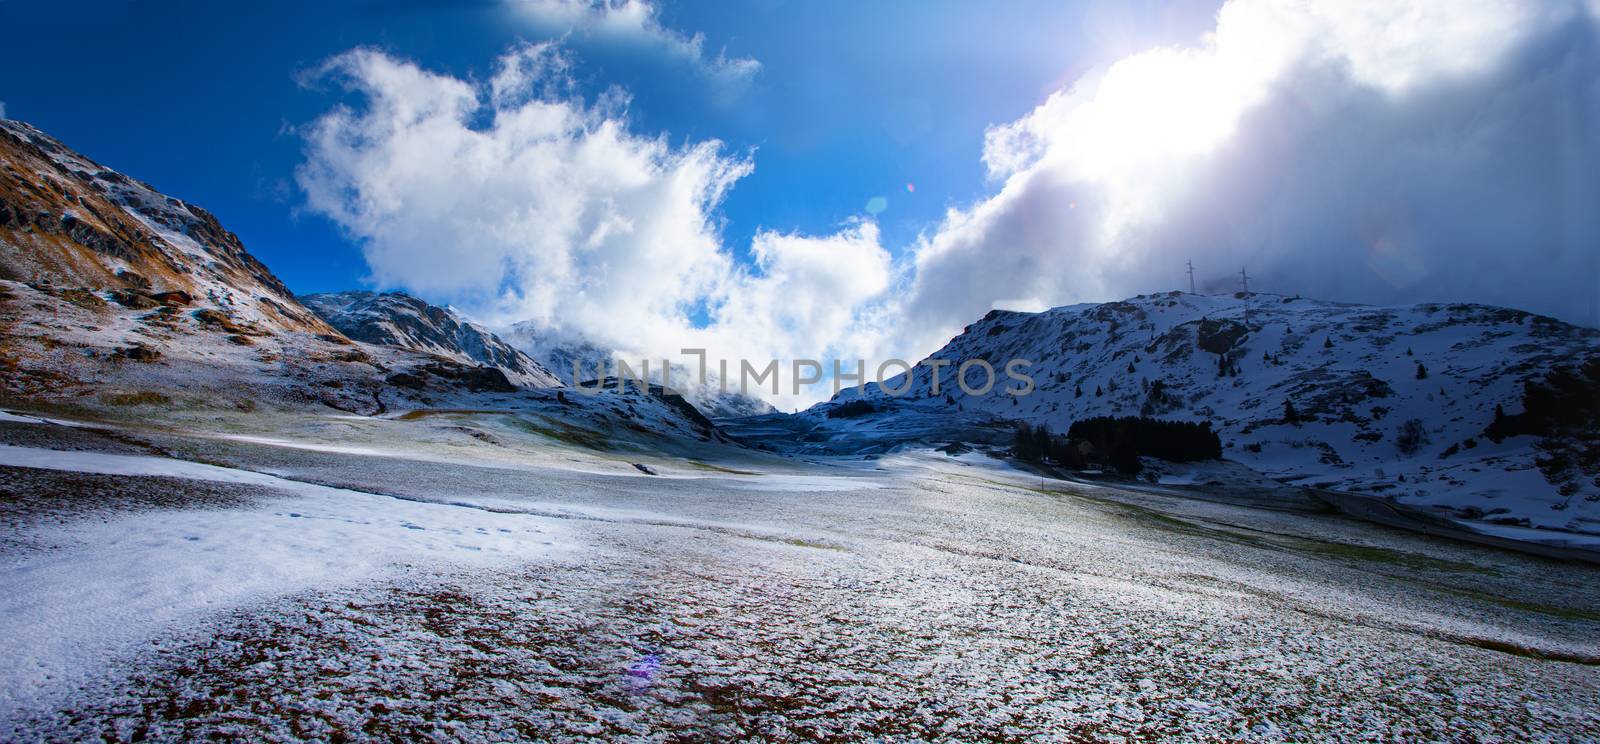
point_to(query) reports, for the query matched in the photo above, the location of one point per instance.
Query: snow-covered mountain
(563, 354)
(70, 222)
(1392, 401)
(398, 319)
(117, 299)
(111, 290)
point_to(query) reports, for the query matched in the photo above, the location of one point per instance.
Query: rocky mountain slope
(109, 289)
(398, 319)
(120, 301)
(562, 355)
(1392, 401)
(69, 222)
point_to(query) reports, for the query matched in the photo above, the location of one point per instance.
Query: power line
(1191, 276)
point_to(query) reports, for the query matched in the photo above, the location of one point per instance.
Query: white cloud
(2, 109)
(809, 296)
(550, 210)
(517, 200)
(1370, 151)
(634, 23)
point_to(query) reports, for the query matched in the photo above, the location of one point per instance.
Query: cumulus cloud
(516, 199)
(634, 23)
(1364, 151)
(550, 210)
(809, 296)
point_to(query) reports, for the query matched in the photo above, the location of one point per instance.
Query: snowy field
(276, 582)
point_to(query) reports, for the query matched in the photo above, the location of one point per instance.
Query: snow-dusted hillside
(1356, 376)
(562, 355)
(111, 291)
(398, 319)
(70, 222)
(118, 299)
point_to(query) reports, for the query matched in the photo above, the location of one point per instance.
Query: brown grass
(83, 298)
(139, 398)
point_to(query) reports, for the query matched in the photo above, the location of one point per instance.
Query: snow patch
(68, 613)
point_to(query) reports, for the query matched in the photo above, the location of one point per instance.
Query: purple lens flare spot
(643, 672)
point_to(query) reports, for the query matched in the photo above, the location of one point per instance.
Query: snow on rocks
(1359, 377)
(397, 319)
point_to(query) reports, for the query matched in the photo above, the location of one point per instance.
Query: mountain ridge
(563, 355)
(401, 320)
(72, 221)
(1355, 376)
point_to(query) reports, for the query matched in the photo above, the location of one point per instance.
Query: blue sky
(852, 100)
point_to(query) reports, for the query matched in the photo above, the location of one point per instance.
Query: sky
(851, 100)
(855, 180)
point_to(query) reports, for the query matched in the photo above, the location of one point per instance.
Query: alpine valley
(231, 512)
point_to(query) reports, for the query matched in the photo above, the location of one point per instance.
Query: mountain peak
(1392, 401)
(565, 354)
(398, 319)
